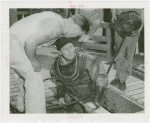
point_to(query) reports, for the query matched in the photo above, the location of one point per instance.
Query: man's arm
(98, 76)
(113, 11)
(36, 39)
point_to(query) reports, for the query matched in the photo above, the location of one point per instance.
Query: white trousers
(34, 87)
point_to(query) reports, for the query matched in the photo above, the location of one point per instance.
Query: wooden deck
(135, 87)
(132, 100)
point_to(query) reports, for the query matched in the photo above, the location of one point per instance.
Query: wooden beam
(22, 13)
(117, 103)
(95, 46)
(12, 16)
(109, 44)
(99, 38)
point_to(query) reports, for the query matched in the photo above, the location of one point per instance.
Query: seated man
(79, 73)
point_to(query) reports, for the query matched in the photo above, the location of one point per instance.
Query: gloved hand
(90, 107)
(99, 94)
(61, 101)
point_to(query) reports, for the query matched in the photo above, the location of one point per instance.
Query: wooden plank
(101, 110)
(138, 96)
(45, 71)
(22, 13)
(49, 94)
(12, 76)
(99, 38)
(133, 79)
(14, 90)
(11, 71)
(14, 86)
(95, 46)
(13, 80)
(14, 94)
(117, 103)
(49, 83)
(141, 101)
(141, 111)
(48, 91)
(134, 87)
(107, 25)
(48, 105)
(55, 102)
(53, 89)
(49, 98)
(50, 87)
(46, 76)
(137, 74)
(13, 83)
(134, 83)
(135, 92)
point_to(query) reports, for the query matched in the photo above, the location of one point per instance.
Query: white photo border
(6, 116)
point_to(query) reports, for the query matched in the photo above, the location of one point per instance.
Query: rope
(64, 105)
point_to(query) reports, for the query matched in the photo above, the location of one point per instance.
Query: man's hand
(36, 65)
(61, 101)
(83, 38)
(114, 18)
(101, 22)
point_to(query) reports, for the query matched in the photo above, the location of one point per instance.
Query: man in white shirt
(25, 36)
(125, 56)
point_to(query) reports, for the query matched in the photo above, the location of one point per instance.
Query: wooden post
(109, 43)
(12, 16)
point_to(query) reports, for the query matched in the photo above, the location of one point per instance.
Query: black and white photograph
(76, 60)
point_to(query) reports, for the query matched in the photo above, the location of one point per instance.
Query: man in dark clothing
(78, 72)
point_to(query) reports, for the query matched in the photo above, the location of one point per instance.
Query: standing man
(25, 36)
(125, 56)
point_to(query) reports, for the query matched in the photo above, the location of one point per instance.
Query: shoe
(114, 82)
(122, 86)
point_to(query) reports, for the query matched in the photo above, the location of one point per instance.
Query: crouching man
(78, 72)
